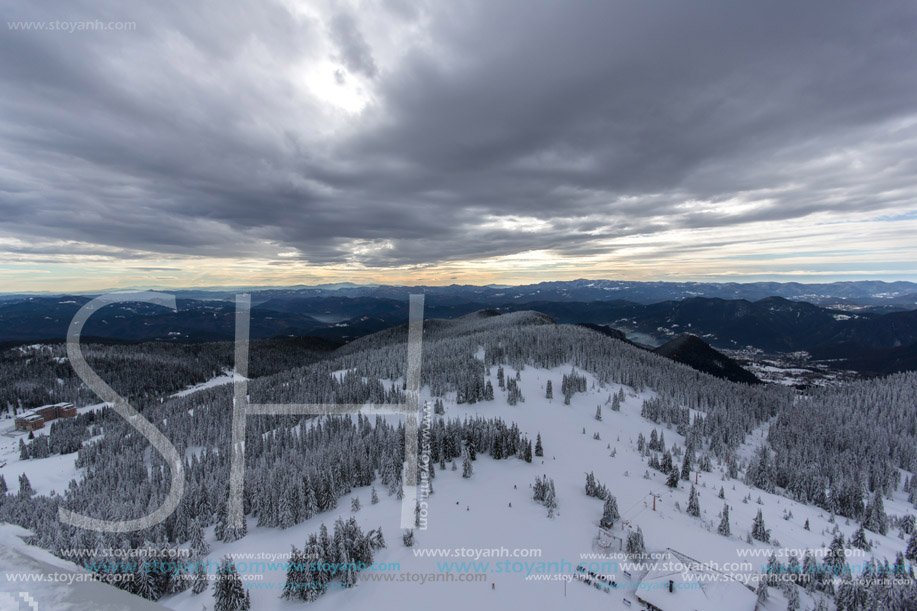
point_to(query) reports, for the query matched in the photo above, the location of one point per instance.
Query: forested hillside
(842, 450)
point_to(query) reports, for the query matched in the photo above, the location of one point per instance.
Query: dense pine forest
(40, 374)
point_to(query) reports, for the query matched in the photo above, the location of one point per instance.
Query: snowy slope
(45, 474)
(226, 378)
(475, 513)
(32, 578)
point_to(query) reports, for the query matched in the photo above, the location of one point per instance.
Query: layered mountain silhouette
(698, 354)
(865, 339)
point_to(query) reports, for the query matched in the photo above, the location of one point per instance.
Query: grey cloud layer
(601, 119)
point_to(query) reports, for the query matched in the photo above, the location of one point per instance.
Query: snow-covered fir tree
(758, 530)
(693, 503)
(635, 547)
(228, 592)
(201, 582)
(467, 468)
(610, 513)
(859, 540)
(875, 518)
(672, 481)
(723, 528)
(911, 553)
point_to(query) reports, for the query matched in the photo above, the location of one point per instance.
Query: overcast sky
(262, 142)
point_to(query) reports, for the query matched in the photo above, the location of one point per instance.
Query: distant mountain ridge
(697, 354)
(852, 337)
(873, 293)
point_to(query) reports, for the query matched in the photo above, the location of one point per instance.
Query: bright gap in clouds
(329, 83)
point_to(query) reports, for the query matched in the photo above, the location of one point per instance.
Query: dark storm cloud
(354, 51)
(600, 120)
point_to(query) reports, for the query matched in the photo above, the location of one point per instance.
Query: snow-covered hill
(617, 398)
(475, 514)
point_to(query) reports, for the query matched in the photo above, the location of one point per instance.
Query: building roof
(36, 414)
(697, 586)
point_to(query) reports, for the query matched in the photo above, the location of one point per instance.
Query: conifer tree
(859, 539)
(287, 509)
(635, 546)
(298, 575)
(550, 500)
(723, 528)
(197, 541)
(25, 486)
(347, 569)
(143, 584)
(666, 465)
(672, 481)
(375, 538)
(836, 558)
(758, 530)
(200, 578)
(686, 466)
(225, 532)
(610, 512)
(228, 592)
(911, 553)
(792, 598)
(310, 502)
(467, 469)
(875, 519)
(693, 503)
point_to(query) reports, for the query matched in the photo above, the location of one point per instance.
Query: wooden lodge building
(35, 418)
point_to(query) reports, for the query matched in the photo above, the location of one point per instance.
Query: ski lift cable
(635, 505)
